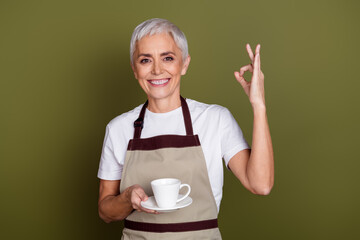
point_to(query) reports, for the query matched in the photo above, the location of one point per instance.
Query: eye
(145, 60)
(168, 59)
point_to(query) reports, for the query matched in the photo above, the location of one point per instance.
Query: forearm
(260, 168)
(115, 208)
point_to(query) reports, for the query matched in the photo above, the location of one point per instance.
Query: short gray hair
(155, 26)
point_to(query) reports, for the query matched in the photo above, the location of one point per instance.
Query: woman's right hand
(114, 206)
(136, 195)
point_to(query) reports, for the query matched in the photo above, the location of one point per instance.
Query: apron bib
(170, 156)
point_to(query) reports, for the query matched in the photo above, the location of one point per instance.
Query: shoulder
(125, 120)
(205, 108)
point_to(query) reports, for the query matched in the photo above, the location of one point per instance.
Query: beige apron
(170, 156)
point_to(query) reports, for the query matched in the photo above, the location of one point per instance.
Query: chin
(160, 95)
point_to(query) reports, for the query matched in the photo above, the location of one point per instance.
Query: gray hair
(156, 26)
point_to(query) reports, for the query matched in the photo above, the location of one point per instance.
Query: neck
(164, 105)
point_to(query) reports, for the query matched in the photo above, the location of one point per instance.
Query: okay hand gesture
(255, 88)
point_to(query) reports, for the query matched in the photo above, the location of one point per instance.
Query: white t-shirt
(220, 137)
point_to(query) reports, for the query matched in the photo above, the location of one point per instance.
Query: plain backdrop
(65, 73)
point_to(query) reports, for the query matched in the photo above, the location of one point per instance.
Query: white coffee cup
(166, 191)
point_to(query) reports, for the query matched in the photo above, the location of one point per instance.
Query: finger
(250, 52)
(256, 69)
(257, 49)
(137, 205)
(138, 195)
(141, 194)
(240, 79)
(257, 63)
(141, 208)
(144, 198)
(148, 210)
(135, 202)
(257, 58)
(245, 68)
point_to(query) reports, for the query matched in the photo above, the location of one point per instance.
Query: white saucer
(151, 204)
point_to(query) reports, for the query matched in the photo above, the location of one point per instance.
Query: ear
(134, 69)
(185, 65)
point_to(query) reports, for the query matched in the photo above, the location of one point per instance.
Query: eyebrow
(162, 54)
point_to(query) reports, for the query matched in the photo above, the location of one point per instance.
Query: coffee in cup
(166, 191)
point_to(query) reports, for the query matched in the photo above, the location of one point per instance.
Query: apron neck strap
(187, 117)
(139, 123)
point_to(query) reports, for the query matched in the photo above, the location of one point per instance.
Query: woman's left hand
(255, 88)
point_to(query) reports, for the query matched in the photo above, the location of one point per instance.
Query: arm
(255, 168)
(114, 206)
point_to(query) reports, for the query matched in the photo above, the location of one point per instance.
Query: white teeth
(159, 82)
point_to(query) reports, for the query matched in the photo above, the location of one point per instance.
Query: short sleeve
(232, 139)
(109, 167)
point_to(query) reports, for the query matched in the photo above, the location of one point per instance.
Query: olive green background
(65, 74)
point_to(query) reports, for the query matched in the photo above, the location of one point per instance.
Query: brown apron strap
(171, 227)
(139, 123)
(187, 117)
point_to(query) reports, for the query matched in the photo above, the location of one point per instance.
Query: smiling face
(158, 67)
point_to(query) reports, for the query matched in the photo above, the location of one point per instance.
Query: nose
(157, 69)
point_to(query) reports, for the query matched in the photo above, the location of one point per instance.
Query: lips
(159, 82)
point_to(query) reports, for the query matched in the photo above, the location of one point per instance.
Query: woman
(169, 136)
